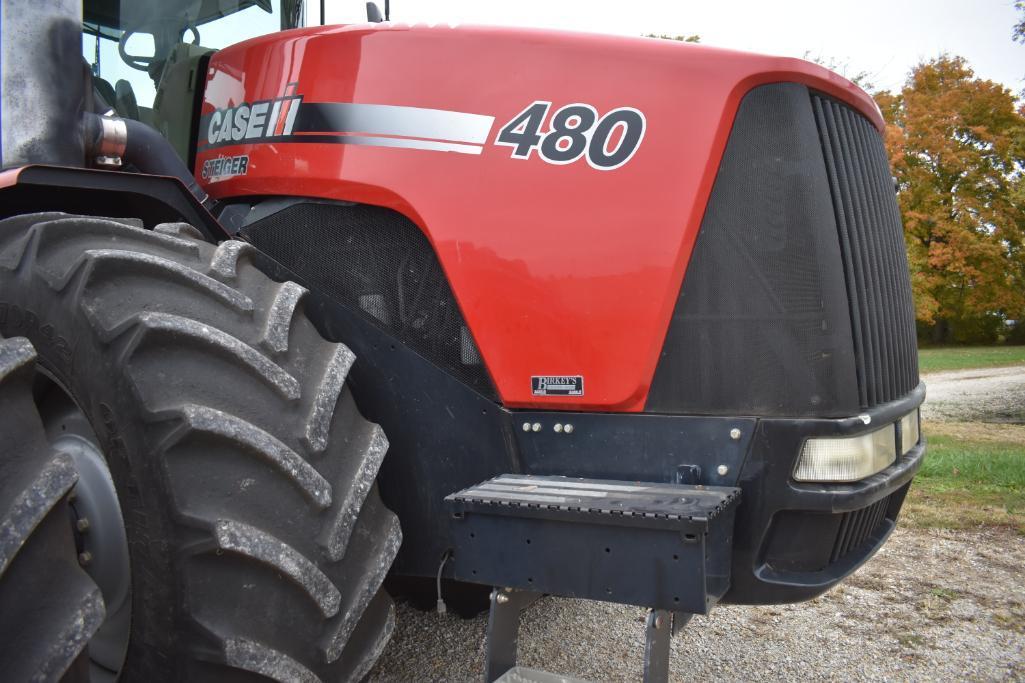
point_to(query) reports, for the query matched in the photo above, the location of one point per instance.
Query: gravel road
(982, 395)
(931, 605)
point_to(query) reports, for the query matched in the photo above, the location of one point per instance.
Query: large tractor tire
(240, 465)
(49, 606)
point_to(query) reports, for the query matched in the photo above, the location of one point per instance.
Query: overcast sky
(883, 37)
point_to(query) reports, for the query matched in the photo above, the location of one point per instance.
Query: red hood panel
(561, 268)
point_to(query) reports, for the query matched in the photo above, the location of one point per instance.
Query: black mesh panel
(875, 262)
(378, 263)
(762, 326)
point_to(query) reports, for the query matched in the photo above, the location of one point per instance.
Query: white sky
(884, 38)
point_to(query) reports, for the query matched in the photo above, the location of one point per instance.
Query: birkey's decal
(557, 385)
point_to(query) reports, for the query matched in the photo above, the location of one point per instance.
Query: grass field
(962, 357)
(969, 482)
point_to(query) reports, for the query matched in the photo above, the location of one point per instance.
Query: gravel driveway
(931, 605)
(982, 395)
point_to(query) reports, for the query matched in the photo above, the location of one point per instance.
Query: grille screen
(761, 326)
(805, 541)
(874, 258)
(797, 300)
(857, 527)
(378, 263)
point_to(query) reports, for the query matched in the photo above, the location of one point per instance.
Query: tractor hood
(560, 178)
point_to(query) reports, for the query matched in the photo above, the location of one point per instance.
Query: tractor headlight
(909, 434)
(847, 458)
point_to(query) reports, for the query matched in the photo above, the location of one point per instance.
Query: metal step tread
(600, 496)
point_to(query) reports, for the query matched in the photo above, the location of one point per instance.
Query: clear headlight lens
(847, 458)
(909, 434)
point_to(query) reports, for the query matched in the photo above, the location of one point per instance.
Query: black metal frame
(445, 437)
(112, 194)
(502, 638)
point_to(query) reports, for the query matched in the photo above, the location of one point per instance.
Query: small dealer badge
(557, 385)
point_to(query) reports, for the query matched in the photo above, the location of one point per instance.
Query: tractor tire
(49, 606)
(244, 473)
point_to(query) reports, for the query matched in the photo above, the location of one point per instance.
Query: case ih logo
(291, 119)
(256, 120)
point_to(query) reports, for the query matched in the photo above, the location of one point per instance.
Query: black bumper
(794, 541)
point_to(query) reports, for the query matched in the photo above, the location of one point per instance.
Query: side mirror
(374, 13)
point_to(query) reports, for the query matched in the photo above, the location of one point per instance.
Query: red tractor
(634, 315)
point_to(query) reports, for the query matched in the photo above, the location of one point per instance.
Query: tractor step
(664, 546)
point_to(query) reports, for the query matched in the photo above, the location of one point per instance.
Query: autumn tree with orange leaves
(957, 146)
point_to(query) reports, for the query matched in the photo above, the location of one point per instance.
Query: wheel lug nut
(82, 524)
(85, 558)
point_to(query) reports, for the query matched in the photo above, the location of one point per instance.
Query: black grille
(874, 257)
(797, 300)
(857, 527)
(761, 326)
(379, 264)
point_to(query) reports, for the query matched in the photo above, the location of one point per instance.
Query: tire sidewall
(70, 353)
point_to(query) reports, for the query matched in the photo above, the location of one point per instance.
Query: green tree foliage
(1019, 29)
(957, 146)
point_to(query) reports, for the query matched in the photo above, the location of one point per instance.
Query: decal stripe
(378, 125)
(385, 119)
(279, 124)
(406, 143)
(293, 108)
(272, 119)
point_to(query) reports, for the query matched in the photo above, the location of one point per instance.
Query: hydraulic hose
(136, 143)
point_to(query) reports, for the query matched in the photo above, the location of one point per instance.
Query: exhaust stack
(42, 83)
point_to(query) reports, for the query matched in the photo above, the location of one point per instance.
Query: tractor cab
(147, 59)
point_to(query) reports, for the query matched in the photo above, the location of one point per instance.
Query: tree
(862, 79)
(695, 38)
(957, 146)
(1018, 33)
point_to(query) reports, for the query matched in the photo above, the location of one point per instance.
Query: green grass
(956, 464)
(962, 357)
(964, 484)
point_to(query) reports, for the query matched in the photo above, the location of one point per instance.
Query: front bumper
(795, 540)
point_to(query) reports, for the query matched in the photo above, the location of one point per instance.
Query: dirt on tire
(245, 471)
(49, 607)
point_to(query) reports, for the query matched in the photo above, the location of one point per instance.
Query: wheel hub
(98, 526)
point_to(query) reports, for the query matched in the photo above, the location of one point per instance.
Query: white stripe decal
(387, 119)
(408, 143)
